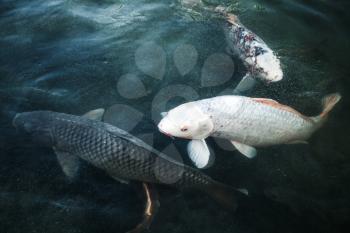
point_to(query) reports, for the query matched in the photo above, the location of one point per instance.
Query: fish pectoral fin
(96, 114)
(298, 142)
(163, 114)
(248, 151)
(199, 153)
(247, 83)
(117, 178)
(68, 162)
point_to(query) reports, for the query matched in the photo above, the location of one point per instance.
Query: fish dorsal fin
(266, 101)
(96, 114)
(164, 114)
(199, 153)
(69, 163)
(275, 104)
(248, 151)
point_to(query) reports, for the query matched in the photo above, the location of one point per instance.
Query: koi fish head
(186, 121)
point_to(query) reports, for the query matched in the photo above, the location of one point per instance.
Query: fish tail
(328, 103)
(225, 195)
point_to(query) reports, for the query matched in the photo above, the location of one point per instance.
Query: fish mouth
(167, 134)
(163, 131)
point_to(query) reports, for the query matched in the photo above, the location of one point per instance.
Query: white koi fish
(246, 122)
(260, 60)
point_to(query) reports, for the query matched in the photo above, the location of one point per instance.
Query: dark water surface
(139, 58)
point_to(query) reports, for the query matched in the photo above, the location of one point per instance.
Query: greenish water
(139, 58)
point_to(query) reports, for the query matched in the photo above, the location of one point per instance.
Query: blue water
(139, 58)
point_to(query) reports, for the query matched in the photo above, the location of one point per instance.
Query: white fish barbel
(246, 122)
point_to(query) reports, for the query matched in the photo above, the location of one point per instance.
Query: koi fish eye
(184, 129)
